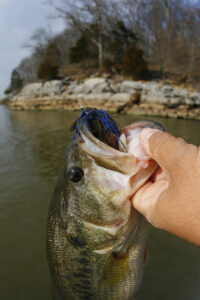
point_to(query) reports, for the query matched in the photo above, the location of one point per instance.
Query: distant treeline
(138, 38)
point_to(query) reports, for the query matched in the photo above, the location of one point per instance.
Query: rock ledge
(143, 98)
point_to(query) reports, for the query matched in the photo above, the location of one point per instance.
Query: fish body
(96, 240)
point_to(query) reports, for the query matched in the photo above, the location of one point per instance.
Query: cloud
(19, 19)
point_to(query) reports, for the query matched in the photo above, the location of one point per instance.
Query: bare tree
(91, 15)
(64, 42)
(38, 41)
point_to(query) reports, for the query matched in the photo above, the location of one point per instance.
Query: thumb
(164, 148)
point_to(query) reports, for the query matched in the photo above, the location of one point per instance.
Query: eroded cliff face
(144, 98)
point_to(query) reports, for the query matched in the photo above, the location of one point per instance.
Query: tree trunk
(100, 52)
(99, 43)
(168, 19)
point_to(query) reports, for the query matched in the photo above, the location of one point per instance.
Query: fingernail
(146, 133)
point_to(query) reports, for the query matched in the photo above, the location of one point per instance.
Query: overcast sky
(18, 20)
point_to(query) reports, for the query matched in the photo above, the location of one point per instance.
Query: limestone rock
(120, 98)
(92, 85)
(154, 97)
(129, 86)
(50, 88)
(148, 98)
(38, 89)
(30, 90)
(196, 99)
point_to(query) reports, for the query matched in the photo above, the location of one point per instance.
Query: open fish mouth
(124, 163)
(110, 147)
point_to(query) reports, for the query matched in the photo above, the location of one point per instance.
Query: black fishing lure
(99, 123)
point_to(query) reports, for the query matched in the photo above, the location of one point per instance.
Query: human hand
(171, 200)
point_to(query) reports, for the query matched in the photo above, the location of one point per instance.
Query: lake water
(31, 151)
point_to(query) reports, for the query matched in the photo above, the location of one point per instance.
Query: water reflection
(31, 152)
(47, 134)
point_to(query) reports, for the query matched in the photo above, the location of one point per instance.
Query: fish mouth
(123, 165)
(121, 154)
(104, 155)
(144, 124)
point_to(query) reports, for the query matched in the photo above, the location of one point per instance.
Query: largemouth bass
(96, 240)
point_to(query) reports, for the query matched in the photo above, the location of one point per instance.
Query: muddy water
(31, 151)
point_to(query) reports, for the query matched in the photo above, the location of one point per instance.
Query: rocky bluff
(143, 98)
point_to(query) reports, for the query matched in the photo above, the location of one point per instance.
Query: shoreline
(128, 96)
(152, 110)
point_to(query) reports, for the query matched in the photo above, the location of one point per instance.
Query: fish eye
(75, 174)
